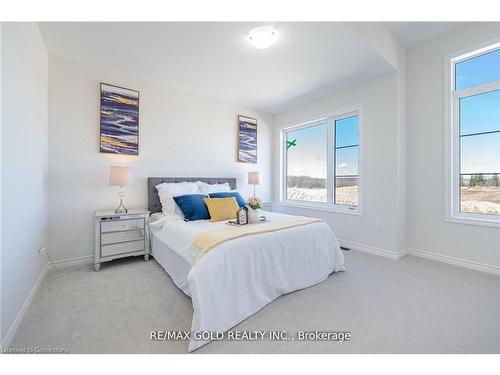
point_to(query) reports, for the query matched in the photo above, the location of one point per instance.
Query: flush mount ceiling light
(263, 37)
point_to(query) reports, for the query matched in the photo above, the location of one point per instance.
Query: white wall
(380, 112)
(180, 135)
(379, 38)
(24, 165)
(427, 229)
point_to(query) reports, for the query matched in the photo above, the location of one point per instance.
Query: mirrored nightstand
(120, 235)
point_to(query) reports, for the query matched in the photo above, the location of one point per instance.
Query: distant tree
(306, 182)
(495, 180)
(476, 180)
(480, 180)
(472, 181)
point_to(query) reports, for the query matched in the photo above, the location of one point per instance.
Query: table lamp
(253, 179)
(120, 176)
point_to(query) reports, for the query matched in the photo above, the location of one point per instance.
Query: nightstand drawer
(129, 235)
(118, 225)
(122, 248)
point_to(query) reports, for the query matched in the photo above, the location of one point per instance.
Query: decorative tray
(233, 223)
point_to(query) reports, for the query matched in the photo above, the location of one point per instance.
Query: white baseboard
(73, 262)
(495, 270)
(373, 250)
(488, 268)
(20, 315)
(401, 253)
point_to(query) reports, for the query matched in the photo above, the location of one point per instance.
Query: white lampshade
(253, 178)
(120, 176)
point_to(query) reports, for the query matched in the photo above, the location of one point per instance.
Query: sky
(478, 70)
(308, 157)
(478, 114)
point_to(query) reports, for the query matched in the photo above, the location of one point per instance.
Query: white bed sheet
(176, 266)
(239, 277)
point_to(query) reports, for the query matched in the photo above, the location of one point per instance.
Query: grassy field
(477, 199)
(480, 199)
(345, 195)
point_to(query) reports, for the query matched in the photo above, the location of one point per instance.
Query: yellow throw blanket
(206, 241)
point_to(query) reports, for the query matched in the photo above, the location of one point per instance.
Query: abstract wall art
(247, 139)
(119, 132)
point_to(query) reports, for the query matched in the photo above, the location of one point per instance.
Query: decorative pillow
(193, 206)
(167, 191)
(227, 194)
(222, 208)
(212, 188)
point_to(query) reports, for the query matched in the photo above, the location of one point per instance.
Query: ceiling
(216, 60)
(409, 34)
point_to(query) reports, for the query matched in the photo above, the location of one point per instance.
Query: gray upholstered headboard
(154, 204)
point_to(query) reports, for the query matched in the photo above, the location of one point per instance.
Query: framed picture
(247, 139)
(119, 133)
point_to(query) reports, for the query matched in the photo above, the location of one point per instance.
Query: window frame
(452, 212)
(329, 119)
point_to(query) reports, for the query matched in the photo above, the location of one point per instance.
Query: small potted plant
(254, 205)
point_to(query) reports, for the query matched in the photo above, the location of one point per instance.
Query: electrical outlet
(378, 226)
(42, 250)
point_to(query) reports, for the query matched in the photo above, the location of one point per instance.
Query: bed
(239, 277)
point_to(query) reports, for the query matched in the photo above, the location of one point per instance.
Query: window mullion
(456, 165)
(330, 175)
(334, 161)
(284, 185)
(477, 90)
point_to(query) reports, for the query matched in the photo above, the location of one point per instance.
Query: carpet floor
(411, 305)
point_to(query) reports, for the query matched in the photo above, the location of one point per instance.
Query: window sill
(467, 220)
(320, 207)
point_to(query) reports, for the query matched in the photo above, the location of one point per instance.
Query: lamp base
(121, 208)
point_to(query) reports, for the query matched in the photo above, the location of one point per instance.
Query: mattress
(175, 265)
(239, 277)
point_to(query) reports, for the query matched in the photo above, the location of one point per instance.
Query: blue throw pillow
(193, 206)
(229, 194)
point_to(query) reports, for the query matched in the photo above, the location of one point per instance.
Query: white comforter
(239, 277)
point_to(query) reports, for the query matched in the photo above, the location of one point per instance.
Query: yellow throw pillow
(222, 208)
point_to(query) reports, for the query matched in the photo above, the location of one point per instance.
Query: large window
(306, 163)
(475, 135)
(321, 163)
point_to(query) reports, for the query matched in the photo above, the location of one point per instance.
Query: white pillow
(157, 219)
(168, 190)
(157, 216)
(214, 188)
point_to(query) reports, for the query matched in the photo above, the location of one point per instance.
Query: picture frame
(119, 120)
(247, 139)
